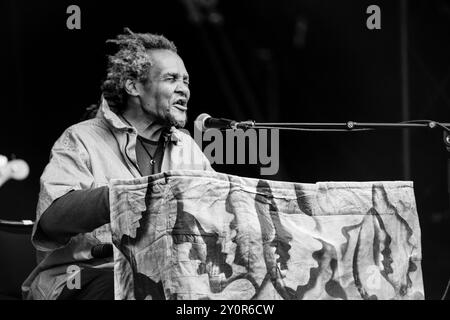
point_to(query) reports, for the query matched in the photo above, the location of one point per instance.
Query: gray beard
(169, 120)
(177, 124)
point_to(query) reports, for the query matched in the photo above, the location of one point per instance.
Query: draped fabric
(206, 235)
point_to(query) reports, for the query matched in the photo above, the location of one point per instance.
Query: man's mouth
(180, 104)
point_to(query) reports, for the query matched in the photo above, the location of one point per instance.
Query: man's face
(165, 94)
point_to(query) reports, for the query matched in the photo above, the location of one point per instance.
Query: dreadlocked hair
(131, 61)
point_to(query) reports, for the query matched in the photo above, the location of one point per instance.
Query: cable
(312, 130)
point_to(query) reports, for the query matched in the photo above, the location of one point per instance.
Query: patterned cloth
(206, 235)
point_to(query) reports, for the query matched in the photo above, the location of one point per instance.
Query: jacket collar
(105, 112)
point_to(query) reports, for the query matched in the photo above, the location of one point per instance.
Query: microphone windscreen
(199, 123)
(103, 250)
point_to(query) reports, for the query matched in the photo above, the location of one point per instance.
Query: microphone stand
(346, 126)
(354, 126)
(447, 145)
(351, 126)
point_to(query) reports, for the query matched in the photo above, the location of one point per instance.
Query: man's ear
(131, 87)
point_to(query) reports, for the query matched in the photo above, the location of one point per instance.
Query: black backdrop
(304, 60)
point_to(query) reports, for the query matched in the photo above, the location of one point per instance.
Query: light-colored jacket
(88, 155)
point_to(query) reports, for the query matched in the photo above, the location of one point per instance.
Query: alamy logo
(252, 146)
(74, 277)
(74, 20)
(374, 20)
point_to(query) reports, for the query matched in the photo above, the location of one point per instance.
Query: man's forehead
(166, 61)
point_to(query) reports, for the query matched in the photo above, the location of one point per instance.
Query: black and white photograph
(243, 151)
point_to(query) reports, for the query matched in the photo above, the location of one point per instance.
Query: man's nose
(183, 89)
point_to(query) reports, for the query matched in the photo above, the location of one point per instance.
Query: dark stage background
(274, 61)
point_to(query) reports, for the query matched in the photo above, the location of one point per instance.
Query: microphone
(205, 121)
(103, 250)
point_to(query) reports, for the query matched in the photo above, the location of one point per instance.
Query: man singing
(134, 134)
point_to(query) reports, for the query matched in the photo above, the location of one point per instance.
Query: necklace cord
(152, 161)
